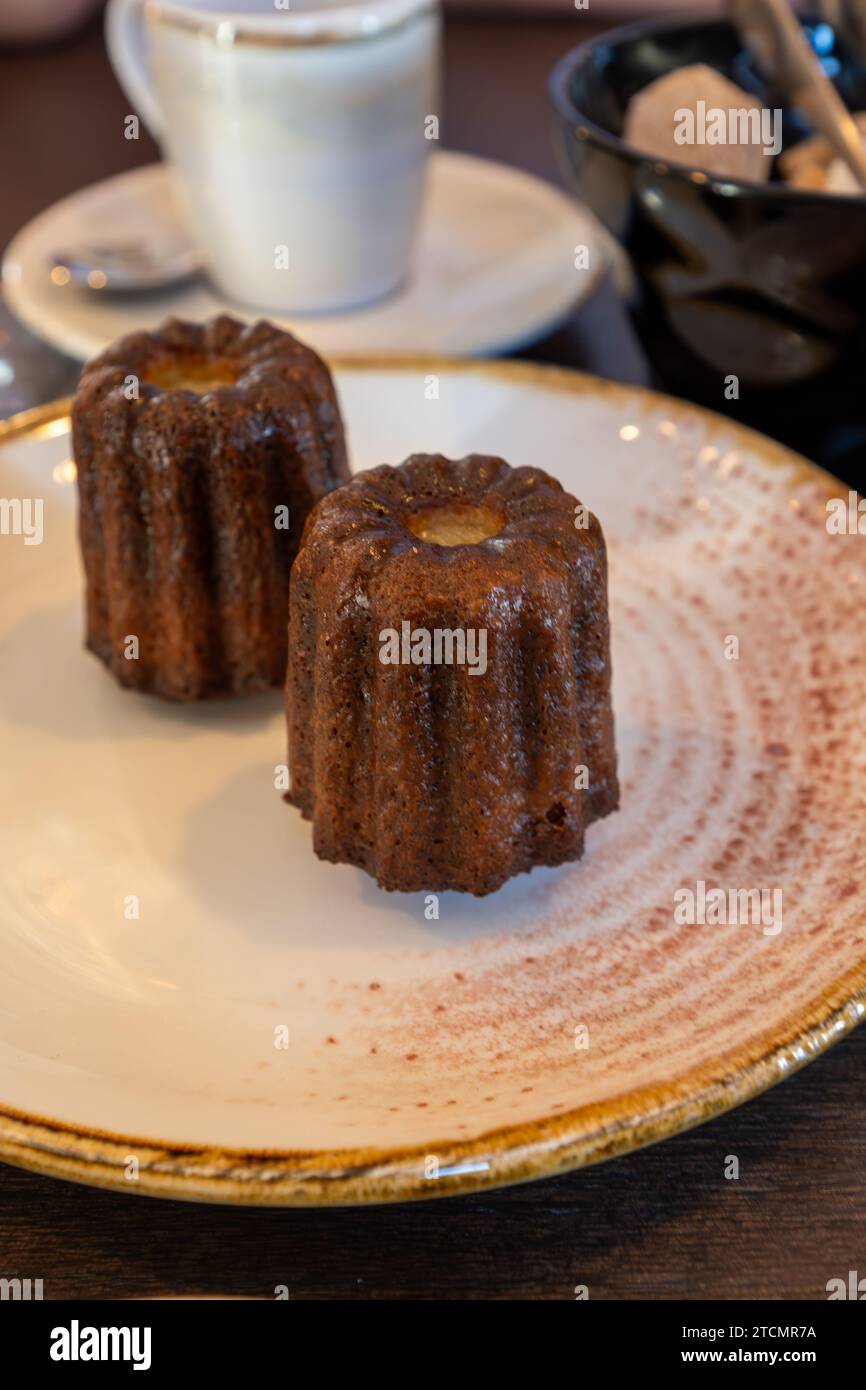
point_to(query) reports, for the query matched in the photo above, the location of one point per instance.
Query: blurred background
(62, 111)
(709, 278)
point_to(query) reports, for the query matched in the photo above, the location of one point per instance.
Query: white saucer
(494, 269)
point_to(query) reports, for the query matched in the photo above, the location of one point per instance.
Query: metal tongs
(782, 51)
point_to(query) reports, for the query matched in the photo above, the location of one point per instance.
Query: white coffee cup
(300, 136)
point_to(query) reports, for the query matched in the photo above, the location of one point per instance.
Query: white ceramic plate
(431, 1056)
(494, 267)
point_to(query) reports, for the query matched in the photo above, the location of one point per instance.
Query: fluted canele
(200, 450)
(427, 770)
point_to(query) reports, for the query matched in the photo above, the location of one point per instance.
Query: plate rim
(608, 260)
(530, 1151)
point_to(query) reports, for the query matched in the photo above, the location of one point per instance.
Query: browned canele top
(479, 507)
(191, 361)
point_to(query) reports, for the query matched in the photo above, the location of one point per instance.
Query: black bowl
(760, 282)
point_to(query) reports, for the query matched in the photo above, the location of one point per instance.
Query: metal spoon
(127, 265)
(780, 47)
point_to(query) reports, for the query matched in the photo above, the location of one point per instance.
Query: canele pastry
(200, 450)
(449, 709)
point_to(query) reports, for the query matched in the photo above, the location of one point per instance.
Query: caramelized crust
(425, 775)
(186, 442)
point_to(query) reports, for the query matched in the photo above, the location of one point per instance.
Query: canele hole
(457, 523)
(190, 371)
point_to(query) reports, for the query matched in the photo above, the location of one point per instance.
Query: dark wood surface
(663, 1223)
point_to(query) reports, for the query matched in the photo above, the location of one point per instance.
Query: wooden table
(664, 1223)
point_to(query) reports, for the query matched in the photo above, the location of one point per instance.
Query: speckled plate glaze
(563, 1020)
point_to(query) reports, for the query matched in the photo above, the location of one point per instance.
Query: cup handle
(127, 50)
